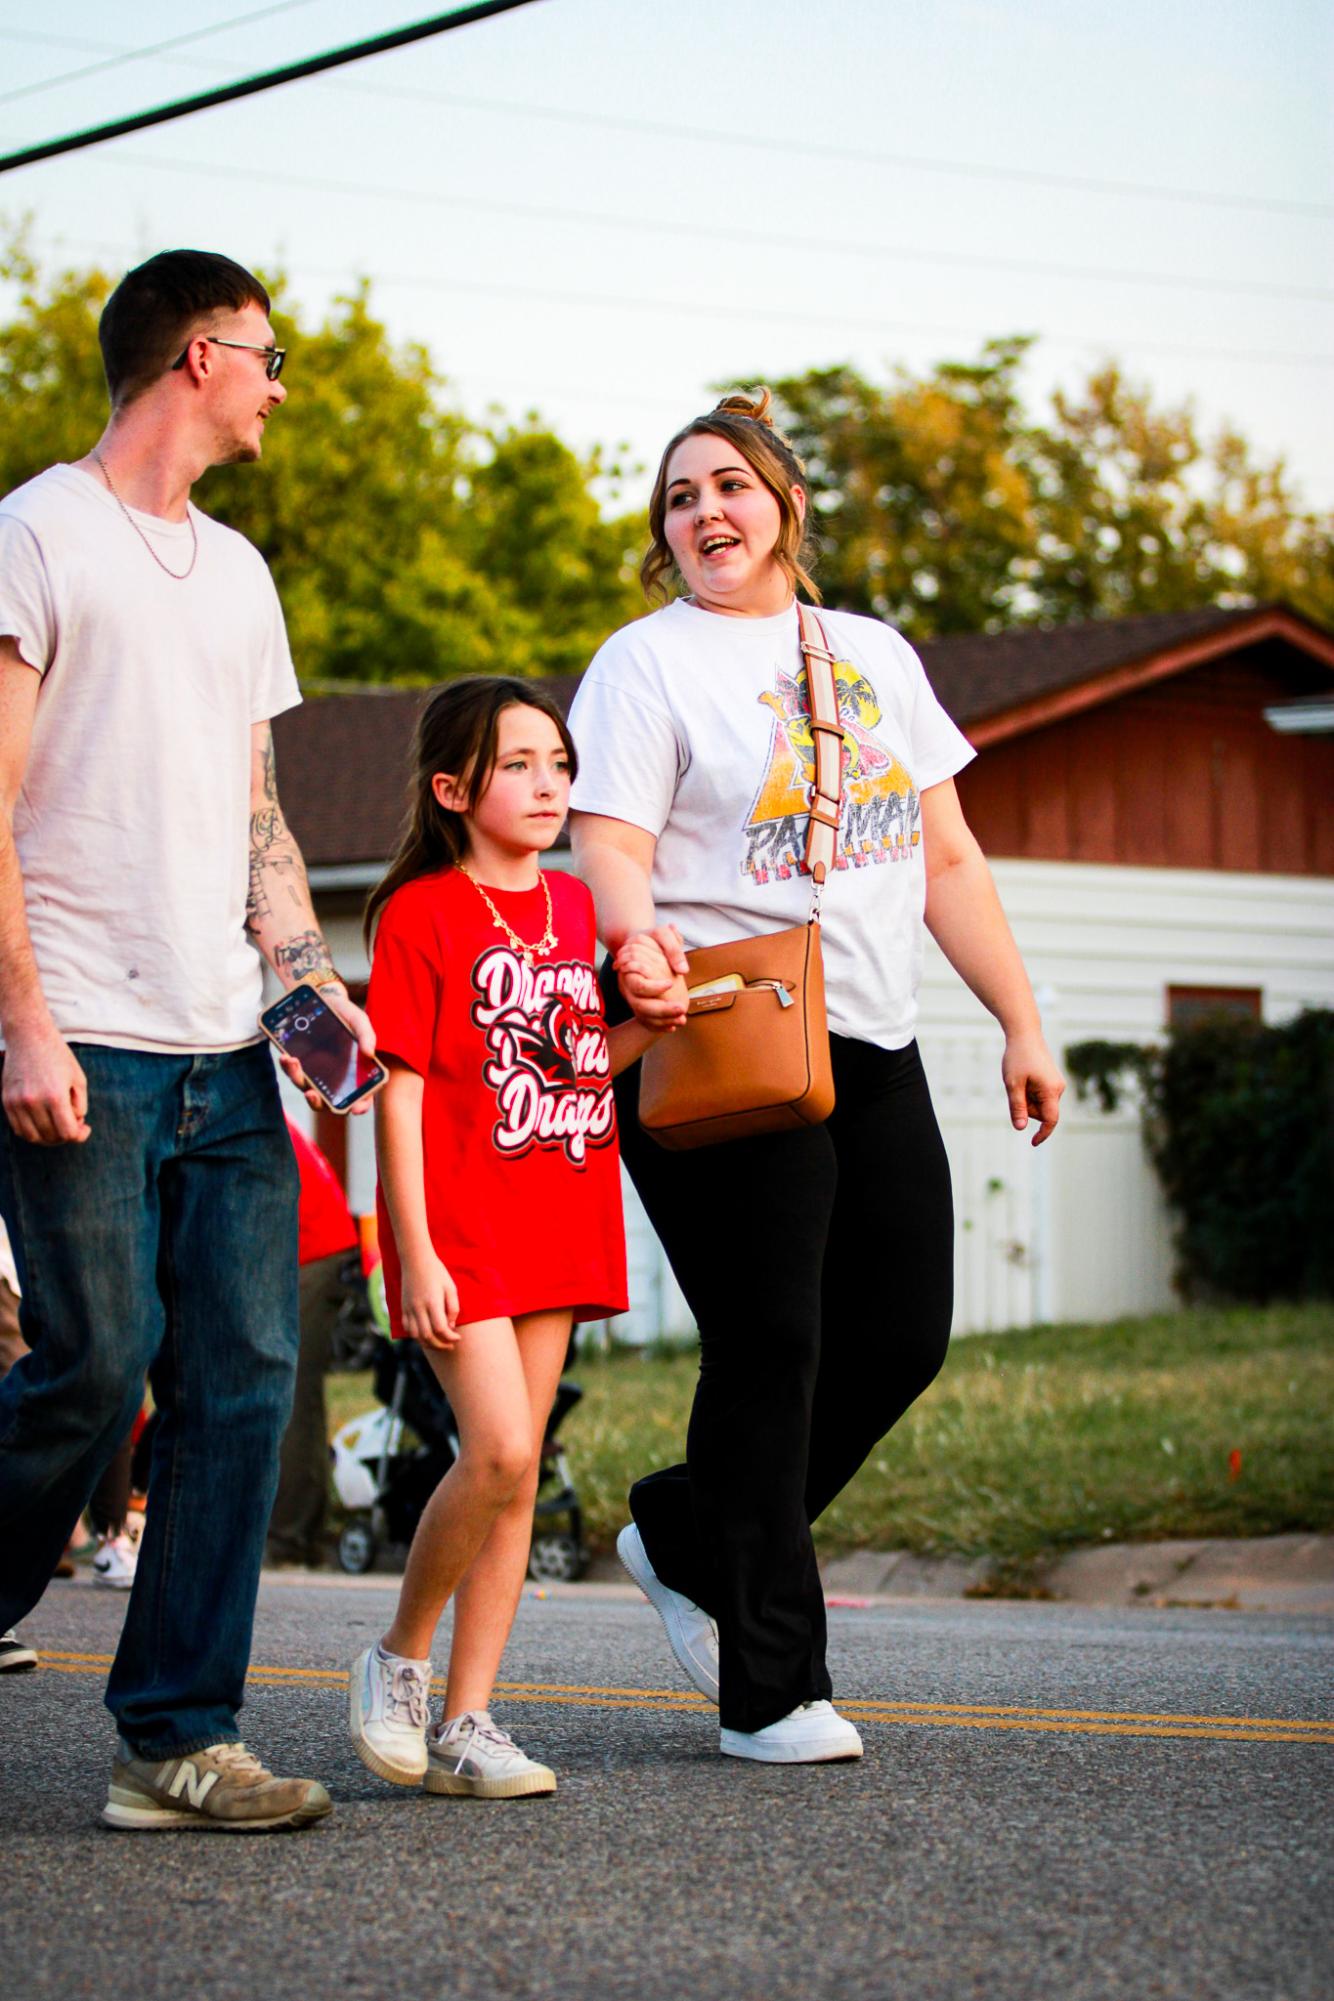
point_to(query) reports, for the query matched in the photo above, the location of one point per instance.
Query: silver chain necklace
(177, 576)
(527, 952)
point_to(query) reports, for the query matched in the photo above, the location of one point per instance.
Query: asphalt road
(1054, 1802)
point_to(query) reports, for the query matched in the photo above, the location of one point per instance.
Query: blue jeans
(164, 1245)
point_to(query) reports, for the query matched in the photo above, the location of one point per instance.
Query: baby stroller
(388, 1462)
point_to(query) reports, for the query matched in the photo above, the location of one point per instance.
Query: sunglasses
(274, 357)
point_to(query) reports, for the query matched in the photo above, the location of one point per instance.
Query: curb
(1274, 1574)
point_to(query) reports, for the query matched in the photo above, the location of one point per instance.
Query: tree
(410, 543)
(943, 507)
(534, 526)
(407, 543)
(53, 398)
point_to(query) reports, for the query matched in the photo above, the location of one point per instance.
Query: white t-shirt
(694, 726)
(133, 822)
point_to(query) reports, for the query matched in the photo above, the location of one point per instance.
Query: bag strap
(826, 793)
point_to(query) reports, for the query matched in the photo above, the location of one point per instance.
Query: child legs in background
(472, 1544)
(117, 1553)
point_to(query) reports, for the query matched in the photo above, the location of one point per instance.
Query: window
(1187, 1006)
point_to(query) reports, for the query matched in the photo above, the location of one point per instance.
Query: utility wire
(76, 42)
(668, 310)
(792, 148)
(397, 38)
(789, 147)
(122, 56)
(770, 239)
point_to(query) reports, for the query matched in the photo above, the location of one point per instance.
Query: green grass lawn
(1032, 1443)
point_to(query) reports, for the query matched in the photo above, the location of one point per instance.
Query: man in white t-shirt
(146, 1175)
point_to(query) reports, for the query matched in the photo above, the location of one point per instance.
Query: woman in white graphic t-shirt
(818, 1263)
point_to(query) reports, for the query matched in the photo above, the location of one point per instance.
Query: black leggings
(819, 1267)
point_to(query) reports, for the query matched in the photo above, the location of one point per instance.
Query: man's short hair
(156, 309)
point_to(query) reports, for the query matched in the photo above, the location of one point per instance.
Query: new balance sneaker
(691, 1633)
(14, 1655)
(115, 1562)
(814, 1734)
(473, 1755)
(224, 1789)
(387, 1715)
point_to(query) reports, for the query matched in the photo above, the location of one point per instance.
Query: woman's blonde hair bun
(738, 404)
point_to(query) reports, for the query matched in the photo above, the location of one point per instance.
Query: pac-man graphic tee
(695, 726)
(523, 1192)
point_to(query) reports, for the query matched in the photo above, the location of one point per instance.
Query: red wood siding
(1182, 773)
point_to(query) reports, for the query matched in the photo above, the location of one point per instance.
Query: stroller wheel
(557, 1559)
(357, 1546)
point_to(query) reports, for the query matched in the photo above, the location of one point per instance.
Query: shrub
(1239, 1123)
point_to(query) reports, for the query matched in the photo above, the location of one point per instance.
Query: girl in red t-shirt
(499, 1202)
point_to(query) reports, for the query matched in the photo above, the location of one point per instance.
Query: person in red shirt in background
(327, 1237)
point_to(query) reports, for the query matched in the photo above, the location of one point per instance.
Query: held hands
(429, 1302)
(1033, 1084)
(337, 999)
(651, 967)
(45, 1091)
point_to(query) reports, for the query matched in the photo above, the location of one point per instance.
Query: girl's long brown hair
(746, 423)
(455, 733)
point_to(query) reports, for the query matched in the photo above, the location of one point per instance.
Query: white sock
(386, 1659)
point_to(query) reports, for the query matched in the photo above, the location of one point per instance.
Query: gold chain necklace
(527, 952)
(177, 576)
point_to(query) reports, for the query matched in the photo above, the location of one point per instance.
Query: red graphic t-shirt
(523, 1192)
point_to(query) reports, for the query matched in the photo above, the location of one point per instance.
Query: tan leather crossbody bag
(753, 1057)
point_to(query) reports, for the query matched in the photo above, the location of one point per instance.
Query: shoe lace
(477, 1724)
(409, 1693)
(237, 1762)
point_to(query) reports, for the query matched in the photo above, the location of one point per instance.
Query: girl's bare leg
(484, 1380)
(488, 1593)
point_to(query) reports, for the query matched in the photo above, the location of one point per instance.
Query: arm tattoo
(257, 905)
(275, 866)
(270, 769)
(306, 953)
(267, 828)
(279, 893)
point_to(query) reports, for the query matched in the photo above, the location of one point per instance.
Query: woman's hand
(651, 967)
(429, 1302)
(1033, 1083)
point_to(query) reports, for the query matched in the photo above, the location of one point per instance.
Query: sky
(599, 209)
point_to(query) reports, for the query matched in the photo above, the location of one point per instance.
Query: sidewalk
(1284, 1573)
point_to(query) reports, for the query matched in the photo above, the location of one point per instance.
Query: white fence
(1076, 1230)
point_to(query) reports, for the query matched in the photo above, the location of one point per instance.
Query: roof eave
(1269, 622)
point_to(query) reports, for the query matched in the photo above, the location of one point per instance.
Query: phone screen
(324, 1046)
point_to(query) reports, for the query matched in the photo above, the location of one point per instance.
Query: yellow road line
(930, 1715)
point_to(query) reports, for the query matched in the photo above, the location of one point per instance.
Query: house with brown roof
(1154, 794)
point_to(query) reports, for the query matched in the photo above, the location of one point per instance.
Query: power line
(788, 147)
(694, 231)
(438, 24)
(122, 56)
(767, 315)
(792, 147)
(78, 42)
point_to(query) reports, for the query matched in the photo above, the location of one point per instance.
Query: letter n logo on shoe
(189, 1781)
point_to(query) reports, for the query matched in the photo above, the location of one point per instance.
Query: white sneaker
(814, 1734)
(473, 1755)
(14, 1655)
(115, 1562)
(691, 1633)
(387, 1715)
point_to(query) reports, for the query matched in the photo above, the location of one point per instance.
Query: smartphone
(302, 1026)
